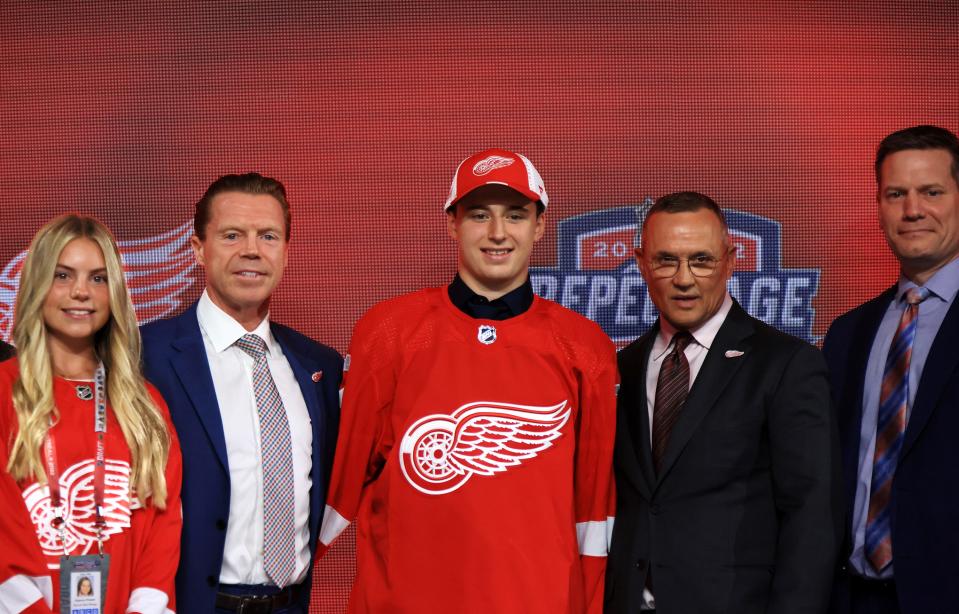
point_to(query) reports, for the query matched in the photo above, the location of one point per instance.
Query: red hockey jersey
(143, 542)
(476, 456)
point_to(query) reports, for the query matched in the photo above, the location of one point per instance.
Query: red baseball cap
(497, 166)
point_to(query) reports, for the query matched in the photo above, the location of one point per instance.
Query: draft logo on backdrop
(597, 274)
(157, 269)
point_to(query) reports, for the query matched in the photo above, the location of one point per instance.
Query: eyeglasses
(699, 266)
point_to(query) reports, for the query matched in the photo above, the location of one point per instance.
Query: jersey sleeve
(367, 396)
(158, 548)
(593, 480)
(26, 584)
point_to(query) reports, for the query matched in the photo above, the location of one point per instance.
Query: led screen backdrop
(363, 110)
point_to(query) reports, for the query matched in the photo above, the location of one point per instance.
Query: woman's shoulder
(156, 396)
(9, 371)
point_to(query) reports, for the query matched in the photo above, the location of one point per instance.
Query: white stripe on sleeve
(18, 592)
(333, 525)
(594, 536)
(147, 600)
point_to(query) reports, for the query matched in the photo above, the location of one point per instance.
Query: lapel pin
(733, 353)
(317, 376)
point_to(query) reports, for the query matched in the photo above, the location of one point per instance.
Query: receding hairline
(724, 228)
(688, 202)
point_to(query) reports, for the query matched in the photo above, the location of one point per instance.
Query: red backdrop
(363, 110)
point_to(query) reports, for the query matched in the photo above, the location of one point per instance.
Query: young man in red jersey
(475, 449)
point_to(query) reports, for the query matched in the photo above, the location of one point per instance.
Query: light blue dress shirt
(943, 286)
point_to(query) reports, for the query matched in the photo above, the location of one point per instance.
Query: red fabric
(143, 542)
(503, 542)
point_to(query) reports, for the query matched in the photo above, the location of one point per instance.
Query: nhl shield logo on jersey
(486, 334)
(441, 452)
(597, 275)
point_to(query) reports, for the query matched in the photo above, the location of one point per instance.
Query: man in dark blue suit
(894, 366)
(256, 409)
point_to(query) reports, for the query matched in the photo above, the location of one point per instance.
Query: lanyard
(99, 467)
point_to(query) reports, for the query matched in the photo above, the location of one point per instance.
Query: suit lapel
(303, 372)
(714, 375)
(636, 459)
(939, 368)
(191, 366)
(858, 352)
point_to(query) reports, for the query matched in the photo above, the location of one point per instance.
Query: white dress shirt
(232, 371)
(695, 352)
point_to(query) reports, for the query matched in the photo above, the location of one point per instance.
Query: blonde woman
(74, 394)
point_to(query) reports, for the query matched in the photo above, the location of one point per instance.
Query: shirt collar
(704, 335)
(223, 331)
(944, 284)
(517, 301)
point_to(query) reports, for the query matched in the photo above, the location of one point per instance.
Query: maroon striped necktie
(672, 387)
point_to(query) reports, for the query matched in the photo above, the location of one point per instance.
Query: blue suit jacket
(925, 502)
(175, 362)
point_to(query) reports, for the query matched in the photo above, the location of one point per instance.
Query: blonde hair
(117, 345)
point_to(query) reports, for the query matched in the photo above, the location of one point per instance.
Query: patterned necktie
(890, 430)
(671, 390)
(276, 458)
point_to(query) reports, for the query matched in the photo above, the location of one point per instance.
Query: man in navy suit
(894, 366)
(256, 409)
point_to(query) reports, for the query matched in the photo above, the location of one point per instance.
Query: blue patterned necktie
(890, 431)
(276, 458)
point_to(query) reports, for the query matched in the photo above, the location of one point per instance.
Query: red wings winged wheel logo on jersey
(157, 270)
(76, 491)
(440, 452)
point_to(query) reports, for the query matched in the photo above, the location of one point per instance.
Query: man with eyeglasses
(727, 466)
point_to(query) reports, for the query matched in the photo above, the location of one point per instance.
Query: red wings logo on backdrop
(157, 269)
(440, 452)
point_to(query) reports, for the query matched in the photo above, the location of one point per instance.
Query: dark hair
(495, 190)
(919, 137)
(247, 183)
(686, 202)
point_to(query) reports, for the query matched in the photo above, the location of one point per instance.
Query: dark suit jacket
(925, 501)
(744, 517)
(175, 362)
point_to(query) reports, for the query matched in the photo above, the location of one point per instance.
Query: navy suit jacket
(175, 362)
(925, 501)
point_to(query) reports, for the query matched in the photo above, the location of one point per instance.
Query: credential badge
(486, 334)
